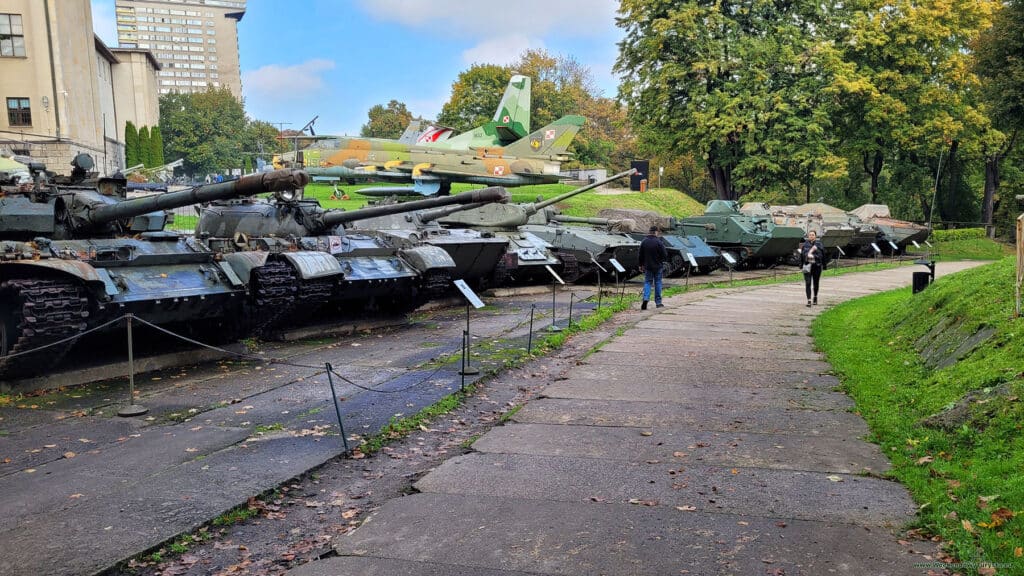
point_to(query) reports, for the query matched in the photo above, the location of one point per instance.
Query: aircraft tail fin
(513, 111)
(420, 132)
(551, 140)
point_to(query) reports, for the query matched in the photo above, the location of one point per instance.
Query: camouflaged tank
(530, 237)
(749, 240)
(834, 231)
(76, 254)
(297, 258)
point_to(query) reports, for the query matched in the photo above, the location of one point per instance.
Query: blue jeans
(652, 277)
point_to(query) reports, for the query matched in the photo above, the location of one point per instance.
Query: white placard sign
(615, 264)
(875, 246)
(916, 245)
(554, 274)
(928, 243)
(728, 258)
(693, 261)
(596, 263)
(841, 253)
(893, 244)
(469, 294)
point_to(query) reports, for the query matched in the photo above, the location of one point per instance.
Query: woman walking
(812, 261)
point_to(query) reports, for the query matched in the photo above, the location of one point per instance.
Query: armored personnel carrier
(833, 230)
(530, 246)
(298, 258)
(899, 232)
(75, 254)
(749, 240)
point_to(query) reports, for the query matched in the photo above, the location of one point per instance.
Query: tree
(205, 129)
(156, 147)
(387, 122)
(1000, 63)
(131, 145)
(145, 148)
(744, 101)
(475, 95)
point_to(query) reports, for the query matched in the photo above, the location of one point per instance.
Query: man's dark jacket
(652, 252)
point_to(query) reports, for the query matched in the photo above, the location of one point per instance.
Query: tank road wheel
(676, 266)
(34, 313)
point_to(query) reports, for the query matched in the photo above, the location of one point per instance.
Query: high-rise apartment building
(195, 41)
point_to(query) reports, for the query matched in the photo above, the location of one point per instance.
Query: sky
(336, 58)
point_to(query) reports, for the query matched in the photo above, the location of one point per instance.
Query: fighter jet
(499, 153)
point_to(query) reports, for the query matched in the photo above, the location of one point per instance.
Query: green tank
(751, 241)
(592, 242)
(531, 247)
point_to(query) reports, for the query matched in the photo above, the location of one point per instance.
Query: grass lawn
(904, 359)
(966, 244)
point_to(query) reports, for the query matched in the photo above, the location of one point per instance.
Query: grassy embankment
(939, 378)
(963, 244)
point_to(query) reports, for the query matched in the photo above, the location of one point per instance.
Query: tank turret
(509, 216)
(748, 240)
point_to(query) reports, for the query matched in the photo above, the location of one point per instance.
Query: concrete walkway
(707, 439)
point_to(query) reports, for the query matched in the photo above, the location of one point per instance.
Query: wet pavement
(664, 454)
(729, 379)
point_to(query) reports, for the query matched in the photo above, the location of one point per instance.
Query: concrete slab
(565, 538)
(670, 358)
(720, 373)
(702, 395)
(748, 492)
(707, 352)
(356, 566)
(685, 446)
(768, 420)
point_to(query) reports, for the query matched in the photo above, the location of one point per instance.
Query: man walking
(652, 261)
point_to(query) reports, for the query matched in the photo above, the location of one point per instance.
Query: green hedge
(958, 234)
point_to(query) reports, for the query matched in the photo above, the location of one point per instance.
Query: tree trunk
(874, 171)
(991, 187)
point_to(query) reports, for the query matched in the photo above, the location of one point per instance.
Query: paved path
(707, 439)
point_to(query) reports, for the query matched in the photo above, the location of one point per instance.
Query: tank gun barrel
(333, 218)
(274, 181)
(431, 215)
(582, 220)
(538, 206)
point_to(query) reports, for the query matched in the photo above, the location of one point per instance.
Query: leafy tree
(145, 148)
(205, 129)
(475, 95)
(387, 122)
(743, 100)
(131, 145)
(1000, 63)
(156, 146)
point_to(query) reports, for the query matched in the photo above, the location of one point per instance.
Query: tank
(834, 231)
(75, 254)
(899, 232)
(749, 240)
(478, 255)
(297, 258)
(530, 247)
(591, 242)
(864, 233)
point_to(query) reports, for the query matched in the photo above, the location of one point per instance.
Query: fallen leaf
(1018, 551)
(313, 504)
(925, 460)
(647, 433)
(640, 502)
(686, 508)
(835, 478)
(29, 470)
(679, 454)
(967, 526)
(50, 446)
(191, 449)
(735, 471)
(986, 571)
(349, 514)
(69, 455)
(75, 496)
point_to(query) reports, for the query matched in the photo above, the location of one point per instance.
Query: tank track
(43, 311)
(570, 266)
(275, 291)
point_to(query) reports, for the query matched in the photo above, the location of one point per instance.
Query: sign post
(730, 262)
(618, 270)
(555, 281)
(471, 300)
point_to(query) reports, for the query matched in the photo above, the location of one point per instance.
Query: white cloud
(104, 24)
(286, 83)
(578, 18)
(500, 50)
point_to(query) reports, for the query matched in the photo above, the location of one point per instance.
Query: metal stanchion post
(132, 409)
(599, 292)
(467, 368)
(465, 355)
(529, 338)
(554, 293)
(337, 409)
(572, 296)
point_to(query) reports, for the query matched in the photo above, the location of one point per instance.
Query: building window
(18, 112)
(12, 35)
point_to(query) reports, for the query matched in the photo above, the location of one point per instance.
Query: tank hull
(588, 245)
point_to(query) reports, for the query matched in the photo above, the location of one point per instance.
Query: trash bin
(921, 281)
